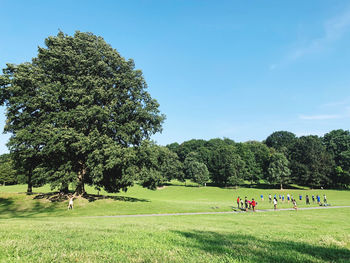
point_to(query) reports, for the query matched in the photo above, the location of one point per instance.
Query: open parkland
(40, 228)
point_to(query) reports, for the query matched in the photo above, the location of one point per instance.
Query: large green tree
(158, 165)
(82, 110)
(311, 164)
(8, 174)
(227, 167)
(196, 170)
(281, 140)
(278, 170)
(337, 143)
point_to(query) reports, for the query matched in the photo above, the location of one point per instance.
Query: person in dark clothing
(307, 199)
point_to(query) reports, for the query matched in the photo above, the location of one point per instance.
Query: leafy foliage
(278, 170)
(81, 111)
(8, 174)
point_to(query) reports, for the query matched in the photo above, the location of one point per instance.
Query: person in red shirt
(253, 204)
(238, 201)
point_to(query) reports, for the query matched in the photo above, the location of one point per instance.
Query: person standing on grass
(70, 204)
(294, 204)
(313, 198)
(270, 198)
(253, 204)
(288, 197)
(318, 199)
(275, 203)
(242, 204)
(307, 199)
(279, 197)
(238, 201)
(283, 198)
(300, 197)
(324, 199)
(262, 197)
(246, 203)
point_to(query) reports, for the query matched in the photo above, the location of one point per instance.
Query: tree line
(282, 159)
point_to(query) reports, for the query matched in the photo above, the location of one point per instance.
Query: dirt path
(218, 213)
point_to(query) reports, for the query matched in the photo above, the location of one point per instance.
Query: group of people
(290, 198)
(247, 204)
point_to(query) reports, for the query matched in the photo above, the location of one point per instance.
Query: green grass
(170, 199)
(38, 230)
(285, 236)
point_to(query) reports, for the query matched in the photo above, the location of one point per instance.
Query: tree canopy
(81, 111)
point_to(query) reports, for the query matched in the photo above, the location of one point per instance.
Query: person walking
(324, 199)
(288, 197)
(283, 198)
(238, 201)
(253, 204)
(275, 203)
(295, 204)
(246, 203)
(270, 198)
(313, 198)
(262, 197)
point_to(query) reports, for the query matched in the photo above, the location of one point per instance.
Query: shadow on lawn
(248, 248)
(59, 197)
(9, 209)
(92, 198)
(271, 186)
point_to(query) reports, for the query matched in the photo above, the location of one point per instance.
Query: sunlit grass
(285, 236)
(137, 200)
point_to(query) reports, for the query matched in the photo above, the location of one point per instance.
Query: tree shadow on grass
(10, 209)
(272, 186)
(247, 248)
(59, 197)
(92, 198)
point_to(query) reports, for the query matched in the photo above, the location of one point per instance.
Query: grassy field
(34, 229)
(170, 199)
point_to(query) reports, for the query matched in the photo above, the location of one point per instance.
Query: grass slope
(171, 199)
(34, 229)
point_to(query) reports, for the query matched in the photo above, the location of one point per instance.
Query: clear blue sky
(236, 69)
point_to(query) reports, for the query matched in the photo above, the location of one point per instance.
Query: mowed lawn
(34, 229)
(137, 200)
(284, 236)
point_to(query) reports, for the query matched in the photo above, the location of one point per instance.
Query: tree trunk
(80, 190)
(281, 187)
(30, 184)
(64, 188)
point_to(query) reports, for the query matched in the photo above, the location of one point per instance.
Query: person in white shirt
(275, 203)
(70, 204)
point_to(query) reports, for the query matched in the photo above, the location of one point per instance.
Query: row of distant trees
(281, 159)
